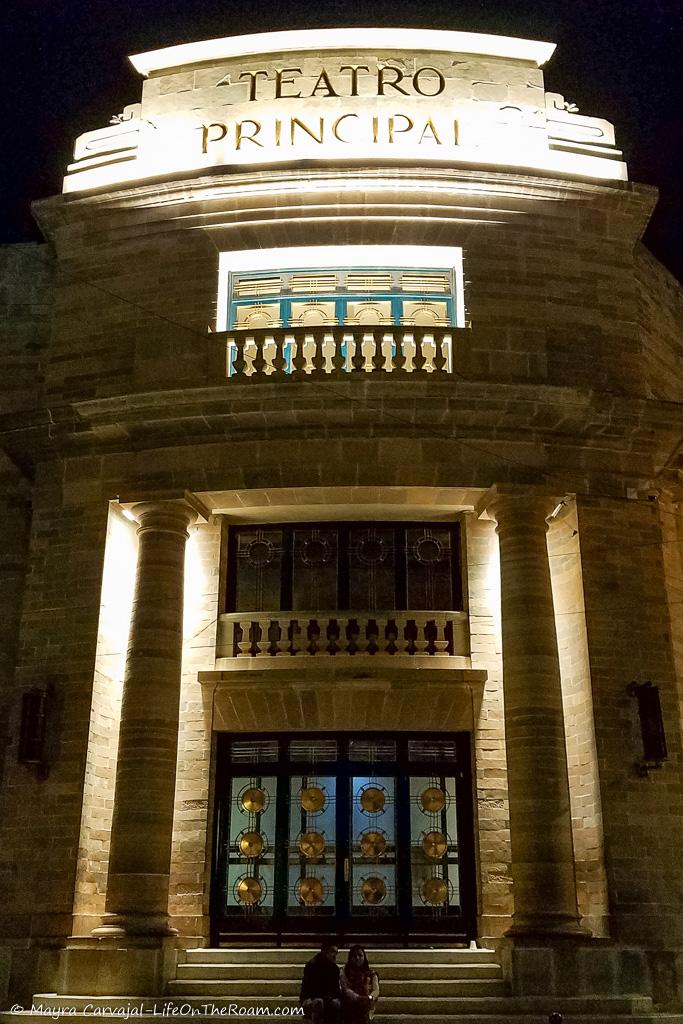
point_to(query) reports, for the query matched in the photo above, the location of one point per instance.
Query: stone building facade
(325, 316)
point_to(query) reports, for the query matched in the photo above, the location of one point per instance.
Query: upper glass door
(342, 295)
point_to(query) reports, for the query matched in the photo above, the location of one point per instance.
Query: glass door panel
(434, 860)
(372, 868)
(250, 882)
(312, 846)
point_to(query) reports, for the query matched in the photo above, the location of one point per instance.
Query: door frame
(279, 929)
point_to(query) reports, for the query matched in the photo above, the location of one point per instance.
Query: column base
(548, 926)
(120, 925)
(573, 966)
(114, 966)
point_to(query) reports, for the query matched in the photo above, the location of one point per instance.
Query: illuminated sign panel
(253, 101)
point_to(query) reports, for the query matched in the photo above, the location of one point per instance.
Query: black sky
(65, 71)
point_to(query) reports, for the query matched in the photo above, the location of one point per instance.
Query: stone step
(390, 989)
(394, 1007)
(288, 971)
(26, 1017)
(270, 955)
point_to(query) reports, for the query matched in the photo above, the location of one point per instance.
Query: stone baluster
(318, 359)
(538, 788)
(440, 642)
(244, 644)
(422, 640)
(142, 822)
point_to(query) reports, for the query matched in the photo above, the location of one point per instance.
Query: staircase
(434, 986)
(417, 986)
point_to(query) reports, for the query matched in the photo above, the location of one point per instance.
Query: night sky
(65, 71)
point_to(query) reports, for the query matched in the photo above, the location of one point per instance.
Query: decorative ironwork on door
(366, 835)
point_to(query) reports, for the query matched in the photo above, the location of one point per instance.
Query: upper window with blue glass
(373, 296)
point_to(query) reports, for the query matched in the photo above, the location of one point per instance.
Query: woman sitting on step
(360, 988)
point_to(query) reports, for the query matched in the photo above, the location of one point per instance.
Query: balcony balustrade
(301, 352)
(321, 634)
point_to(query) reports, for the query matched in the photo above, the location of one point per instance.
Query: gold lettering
(375, 129)
(381, 83)
(324, 82)
(278, 131)
(392, 126)
(354, 69)
(241, 137)
(441, 81)
(205, 129)
(253, 76)
(455, 132)
(336, 124)
(429, 127)
(280, 81)
(295, 122)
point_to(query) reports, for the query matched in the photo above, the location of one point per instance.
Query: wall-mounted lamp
(36, 708)
(651, 726)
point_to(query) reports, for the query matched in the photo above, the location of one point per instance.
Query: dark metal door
(364, 836)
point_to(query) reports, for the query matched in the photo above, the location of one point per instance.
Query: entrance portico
(537, 856)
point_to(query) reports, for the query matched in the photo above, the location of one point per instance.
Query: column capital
(539, 500)
(173, 516)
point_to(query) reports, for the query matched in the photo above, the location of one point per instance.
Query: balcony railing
(286, 353)
(304, 633)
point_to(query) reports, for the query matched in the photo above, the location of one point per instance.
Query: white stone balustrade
(336, 351)
(323, 634)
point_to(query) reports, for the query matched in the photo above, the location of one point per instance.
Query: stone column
(140, 854)
(538, 787)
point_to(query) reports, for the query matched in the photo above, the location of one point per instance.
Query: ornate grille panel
(328, 566)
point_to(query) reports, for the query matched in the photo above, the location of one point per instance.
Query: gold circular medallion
(372, 799)
(254, 799)
(312, 844)
(435, 891)
(313, 799)
(373, 890)
(251, 844)
(311, 891)
(372, 844)
(432, 800)
(434, 845)
(249, 890)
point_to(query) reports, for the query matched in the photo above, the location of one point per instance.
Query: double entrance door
(362, 836)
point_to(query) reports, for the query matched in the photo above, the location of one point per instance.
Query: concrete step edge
(426, 1004)
(28, 1017)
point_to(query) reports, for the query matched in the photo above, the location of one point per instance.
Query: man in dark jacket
(321, 987)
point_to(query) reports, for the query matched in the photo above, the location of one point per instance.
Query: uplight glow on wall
(397, 95)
